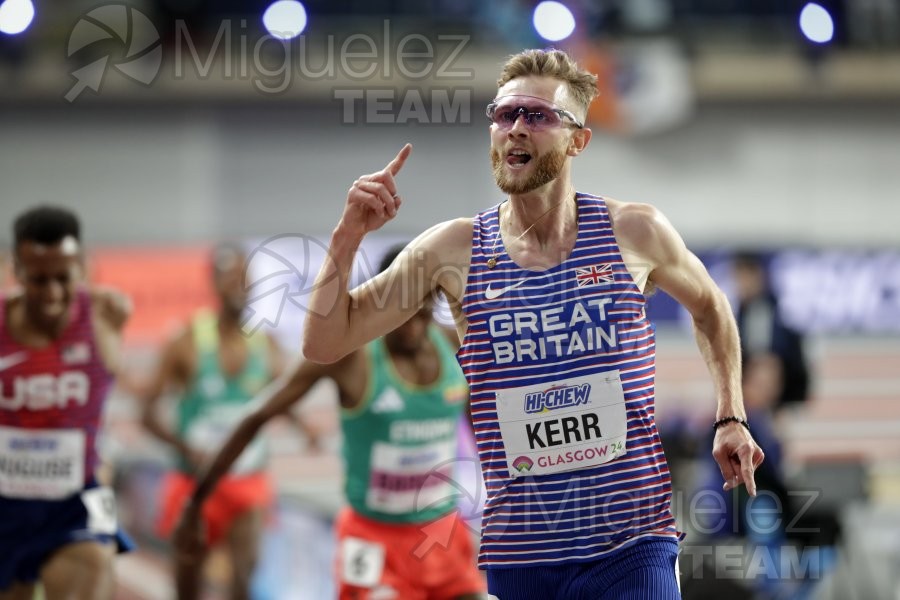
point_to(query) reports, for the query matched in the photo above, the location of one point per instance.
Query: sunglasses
(538, 114)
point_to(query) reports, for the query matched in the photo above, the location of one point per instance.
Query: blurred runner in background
(217, 369)
(401, 400)
(59, 347)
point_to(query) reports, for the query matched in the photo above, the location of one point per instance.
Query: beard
(547, 168)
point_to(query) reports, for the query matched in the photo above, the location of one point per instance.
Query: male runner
(401, 399)
(548, 290)
(59, 344)
(218, 370)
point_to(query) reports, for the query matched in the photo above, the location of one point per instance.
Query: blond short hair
(556, 64)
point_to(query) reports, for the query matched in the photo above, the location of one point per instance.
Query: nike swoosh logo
(12, 360)
(493, 294)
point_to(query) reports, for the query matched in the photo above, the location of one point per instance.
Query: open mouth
(517, 158)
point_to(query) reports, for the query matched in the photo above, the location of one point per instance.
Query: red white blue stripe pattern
(530, 335)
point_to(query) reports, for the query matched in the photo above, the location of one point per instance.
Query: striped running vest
(560, 365)
(214, 402)
(400, 442)
(51, 402)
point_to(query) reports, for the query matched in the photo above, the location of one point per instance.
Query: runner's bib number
(209, 431)
(564, 426)
(41, 463)
(362, 562)
(101, 510)
(410, 478)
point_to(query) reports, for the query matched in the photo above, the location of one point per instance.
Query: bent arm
(680, 273)
(274, 400)
(340, 321)
(686, 279)
(645, 234)
(111, 310)
(170, 372)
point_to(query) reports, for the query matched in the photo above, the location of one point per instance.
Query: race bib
(410, 478)
(208, 432)
(41, 463)
(362, 562)
(101, 510)
(563, 426)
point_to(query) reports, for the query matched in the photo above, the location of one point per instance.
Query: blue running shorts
(643, 570)
(31, 530)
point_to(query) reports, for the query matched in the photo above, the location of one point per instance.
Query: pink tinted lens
(537, 115)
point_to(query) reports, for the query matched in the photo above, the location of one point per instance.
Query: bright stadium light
(816, 24)
(16, 16)
(553, 21)
(285, 19)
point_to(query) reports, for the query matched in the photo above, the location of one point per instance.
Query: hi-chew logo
(562, 396)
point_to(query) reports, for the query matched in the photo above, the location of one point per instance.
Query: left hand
(737, 455)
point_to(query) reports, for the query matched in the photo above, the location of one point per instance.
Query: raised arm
(644, 232)
(339, 321)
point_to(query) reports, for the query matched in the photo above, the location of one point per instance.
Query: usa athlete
(59, 340)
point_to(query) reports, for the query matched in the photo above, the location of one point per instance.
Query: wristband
(727, 420)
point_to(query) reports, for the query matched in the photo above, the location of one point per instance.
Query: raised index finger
(395, 165)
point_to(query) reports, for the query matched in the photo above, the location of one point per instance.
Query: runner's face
(49, 275)
(229, 284)
(523, 158)
(409, 337)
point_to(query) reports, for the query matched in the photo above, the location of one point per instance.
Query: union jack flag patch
(595, 275)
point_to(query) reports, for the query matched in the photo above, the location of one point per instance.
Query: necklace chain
(492, 261)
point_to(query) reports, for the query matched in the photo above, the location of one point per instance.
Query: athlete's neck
(542, 216)
(229, 320)
(36, 329)
(417, 366)
(405, 352)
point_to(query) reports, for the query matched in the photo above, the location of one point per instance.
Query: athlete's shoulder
(633, 212)
(637, 221)
(644, 230)
(11, 298)
(449, 242)
(179, 345)
(10, 303)
(455, 231)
